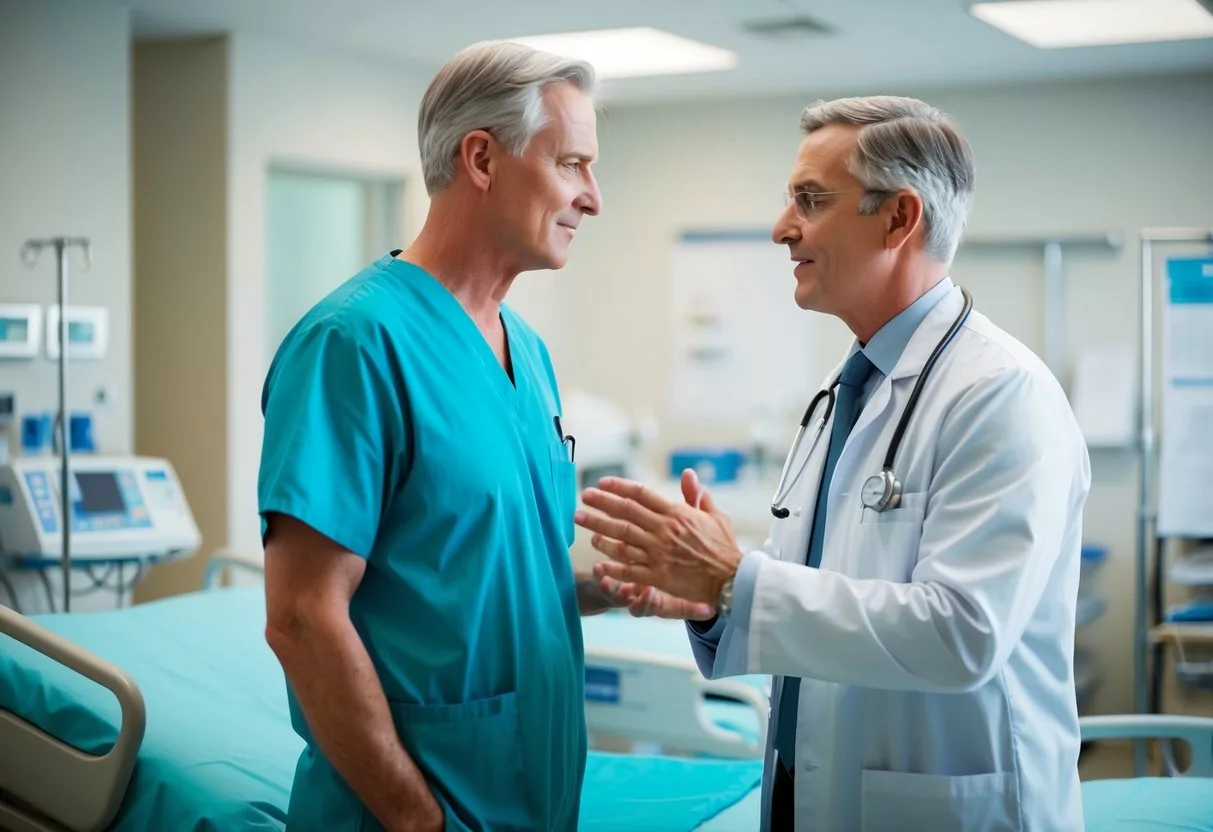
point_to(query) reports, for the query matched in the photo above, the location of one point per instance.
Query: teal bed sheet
(1148, 804)
(662, 794)
(1141, 804)
(219, 752)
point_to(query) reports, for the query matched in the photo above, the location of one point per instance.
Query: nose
(787, 227)
(590, 200)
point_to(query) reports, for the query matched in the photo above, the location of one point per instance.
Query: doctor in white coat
(921, 636)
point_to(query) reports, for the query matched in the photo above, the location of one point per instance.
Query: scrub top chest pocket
(564, 485)
(562, 452)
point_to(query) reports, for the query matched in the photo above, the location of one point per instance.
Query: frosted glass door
(320, 230)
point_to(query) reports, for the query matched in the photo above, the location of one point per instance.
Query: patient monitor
(121, 507)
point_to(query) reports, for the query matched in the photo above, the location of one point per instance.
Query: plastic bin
(713, 465)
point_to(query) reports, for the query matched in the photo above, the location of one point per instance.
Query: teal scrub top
(391, 428)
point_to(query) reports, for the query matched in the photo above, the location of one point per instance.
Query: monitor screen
(79, 332)
(14, 329)
(99, 493)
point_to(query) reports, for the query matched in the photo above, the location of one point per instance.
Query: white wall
(315, 111)
(1070, 157)
(65, 170)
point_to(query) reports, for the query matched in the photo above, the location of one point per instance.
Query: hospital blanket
(219, 752)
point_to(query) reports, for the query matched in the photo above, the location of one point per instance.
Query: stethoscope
(882, 491)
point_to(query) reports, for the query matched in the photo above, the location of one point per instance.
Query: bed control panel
(118, 507)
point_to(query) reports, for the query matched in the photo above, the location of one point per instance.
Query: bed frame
(34, 766)
(642, 697)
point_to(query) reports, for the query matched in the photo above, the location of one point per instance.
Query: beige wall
(180, 103)
(1069, 157)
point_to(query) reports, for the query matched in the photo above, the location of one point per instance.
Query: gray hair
(905, 143)
(494, 86)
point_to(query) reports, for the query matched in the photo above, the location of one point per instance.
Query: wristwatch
(724, 601)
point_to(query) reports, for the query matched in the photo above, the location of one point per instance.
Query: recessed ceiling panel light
(1053, 24)
(632, 52)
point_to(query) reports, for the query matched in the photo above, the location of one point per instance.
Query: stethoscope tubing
(785, 486)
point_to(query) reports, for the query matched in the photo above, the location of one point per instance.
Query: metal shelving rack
(1149, 608)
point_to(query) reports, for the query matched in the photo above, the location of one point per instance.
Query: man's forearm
(343, 701)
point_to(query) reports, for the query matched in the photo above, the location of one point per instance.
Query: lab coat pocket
(471, 754)
(564, 484)
(886, 542)
(893, 801)
(910, 509)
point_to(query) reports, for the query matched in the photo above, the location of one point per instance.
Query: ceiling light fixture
(636, 51)
(1054, 24)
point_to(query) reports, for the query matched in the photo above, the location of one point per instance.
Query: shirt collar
(887, 345)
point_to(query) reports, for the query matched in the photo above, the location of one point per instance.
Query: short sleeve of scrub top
(334, 432)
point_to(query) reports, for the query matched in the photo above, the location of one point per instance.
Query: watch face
(873, 492)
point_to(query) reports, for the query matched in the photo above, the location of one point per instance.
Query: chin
(807, 298)
(555, 257)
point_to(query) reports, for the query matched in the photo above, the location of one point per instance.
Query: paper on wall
(1185, 495)
(1102, 395)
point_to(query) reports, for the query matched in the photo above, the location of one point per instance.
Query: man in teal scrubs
(417, 487)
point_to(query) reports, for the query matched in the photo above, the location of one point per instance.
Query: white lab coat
(935, 643)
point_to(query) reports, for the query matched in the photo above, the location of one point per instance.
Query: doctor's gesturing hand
(674, 548)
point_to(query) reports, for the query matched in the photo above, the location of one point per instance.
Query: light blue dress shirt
(884, 351)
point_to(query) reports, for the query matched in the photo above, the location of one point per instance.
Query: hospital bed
(185, 726)
(173, 715)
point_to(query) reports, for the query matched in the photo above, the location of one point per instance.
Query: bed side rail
(78, 790)
(226, 561)
(1197, 731)
(644, 697)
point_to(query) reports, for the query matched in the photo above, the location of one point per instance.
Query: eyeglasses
(809, 203)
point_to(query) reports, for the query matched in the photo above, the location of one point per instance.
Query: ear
(476, 158)
(902, 214)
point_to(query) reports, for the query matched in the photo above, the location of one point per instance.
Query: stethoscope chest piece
(881, 492)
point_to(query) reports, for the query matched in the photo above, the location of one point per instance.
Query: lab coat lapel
(912, 360)
(927, 336)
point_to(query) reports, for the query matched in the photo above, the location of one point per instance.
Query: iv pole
(29, 254)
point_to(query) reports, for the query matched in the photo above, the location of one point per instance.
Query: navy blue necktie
(846, 410)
